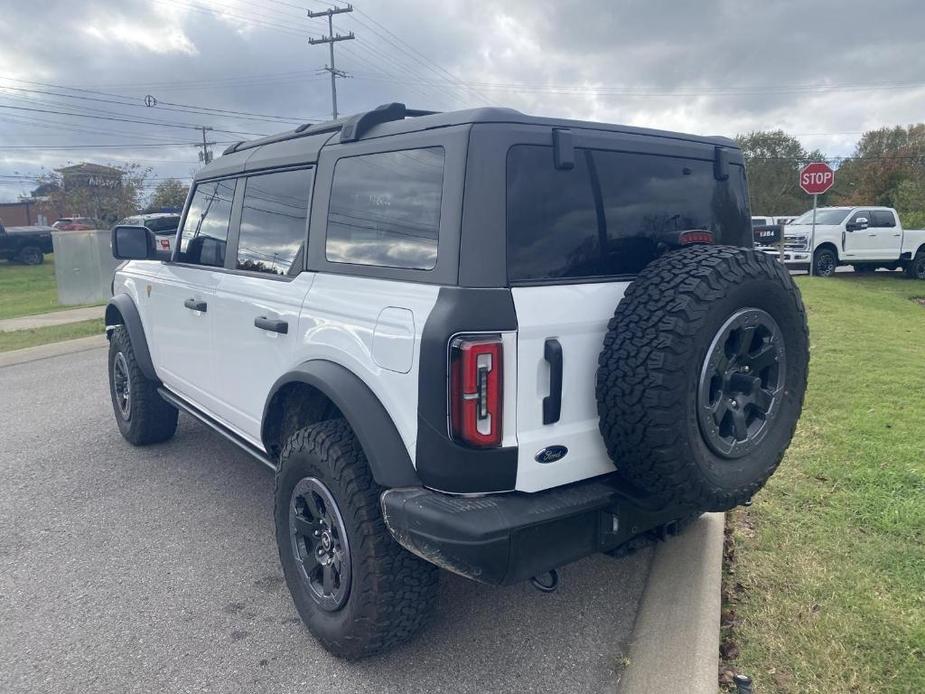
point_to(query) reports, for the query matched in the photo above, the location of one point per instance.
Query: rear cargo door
(576, 237)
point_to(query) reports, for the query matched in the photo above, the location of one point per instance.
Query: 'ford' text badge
(551, 454)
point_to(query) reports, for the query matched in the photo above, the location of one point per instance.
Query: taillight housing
(476, 390)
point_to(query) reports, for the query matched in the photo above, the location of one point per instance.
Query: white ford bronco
(479, 341)
(864, 237)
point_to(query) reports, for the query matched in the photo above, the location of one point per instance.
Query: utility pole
(205, 156)
(331, 39)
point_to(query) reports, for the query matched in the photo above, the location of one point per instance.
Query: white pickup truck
(864, 237)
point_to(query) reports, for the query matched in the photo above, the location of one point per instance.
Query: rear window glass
(882, 218)
(274, 222)
(385, 209)
(606, 216)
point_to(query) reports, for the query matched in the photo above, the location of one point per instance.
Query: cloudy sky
(74, 74)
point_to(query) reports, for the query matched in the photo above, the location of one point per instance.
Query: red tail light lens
(476, 390)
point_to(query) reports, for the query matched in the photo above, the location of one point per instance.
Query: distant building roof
(88, 168)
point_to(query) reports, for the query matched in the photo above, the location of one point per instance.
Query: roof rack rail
(356, 126)
(351, 127)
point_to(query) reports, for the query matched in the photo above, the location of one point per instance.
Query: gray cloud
(713, 66)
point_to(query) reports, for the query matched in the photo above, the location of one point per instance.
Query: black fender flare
(384, 448)
(122, 305)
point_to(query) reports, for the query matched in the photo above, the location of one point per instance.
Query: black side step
(219, 428)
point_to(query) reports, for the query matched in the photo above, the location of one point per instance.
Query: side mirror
(133, 243)
(858, 224)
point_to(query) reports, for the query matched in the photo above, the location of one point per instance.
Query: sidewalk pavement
(43, 320)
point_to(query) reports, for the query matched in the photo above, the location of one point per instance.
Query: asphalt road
(155, 569)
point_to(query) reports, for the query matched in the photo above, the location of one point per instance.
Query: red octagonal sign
(816, 178)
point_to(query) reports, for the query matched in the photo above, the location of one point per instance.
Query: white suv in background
(479, 341)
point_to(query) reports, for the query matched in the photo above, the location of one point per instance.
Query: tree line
(886, 168)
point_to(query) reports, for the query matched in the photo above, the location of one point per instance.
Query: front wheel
(358, 591)
(143, 416)
(824, 262)
(916, 268)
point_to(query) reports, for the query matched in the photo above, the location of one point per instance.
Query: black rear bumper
(507, 538)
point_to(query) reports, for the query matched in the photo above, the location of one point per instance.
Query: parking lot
(125, 569)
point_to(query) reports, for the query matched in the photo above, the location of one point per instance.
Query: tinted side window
(860, 214)
(273, 222)
(205, 231)
(385, 209)
(882, 218)
(607, 215)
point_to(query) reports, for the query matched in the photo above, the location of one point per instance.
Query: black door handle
(552, 403)
(272, 324)
(195, 305)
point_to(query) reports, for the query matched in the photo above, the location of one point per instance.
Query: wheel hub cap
(741, 383)
(319, 543)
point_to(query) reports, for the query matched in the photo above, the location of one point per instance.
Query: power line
(331, 39)
(126, 120)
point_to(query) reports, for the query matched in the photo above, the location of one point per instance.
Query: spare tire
(701, 379)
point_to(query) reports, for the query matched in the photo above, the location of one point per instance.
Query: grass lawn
(28, 289)
(828, 581)
(20, 339)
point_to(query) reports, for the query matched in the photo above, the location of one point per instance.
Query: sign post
(815, 179)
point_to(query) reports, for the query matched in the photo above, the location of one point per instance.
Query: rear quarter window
(385, 209)
(605, 216)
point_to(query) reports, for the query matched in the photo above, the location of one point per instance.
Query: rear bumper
(507, 538)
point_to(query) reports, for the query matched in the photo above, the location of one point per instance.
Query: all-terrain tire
(663, 339)
(147, 418)
(825, 261)
(916, 268)
(391, 592)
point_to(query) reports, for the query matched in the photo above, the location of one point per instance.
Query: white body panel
(576, 315)
(338, 323)
(248, 360)
(184, 357)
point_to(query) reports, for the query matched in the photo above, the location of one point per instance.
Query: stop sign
(816, 178)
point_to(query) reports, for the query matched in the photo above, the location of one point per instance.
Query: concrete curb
(54, 349)
(675, 643)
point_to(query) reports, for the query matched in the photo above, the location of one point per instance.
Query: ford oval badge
(551, 454)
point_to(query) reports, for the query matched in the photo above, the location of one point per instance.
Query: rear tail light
(476, 390)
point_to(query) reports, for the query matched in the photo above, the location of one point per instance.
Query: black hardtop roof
(305, 142)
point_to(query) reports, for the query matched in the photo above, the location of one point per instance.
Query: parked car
(164, 225)
(25, 244)
(865, 237)
(76, 224)
(480, 341)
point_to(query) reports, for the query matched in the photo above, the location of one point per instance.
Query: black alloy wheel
(741, 382)
(122, 386)
(319, 543)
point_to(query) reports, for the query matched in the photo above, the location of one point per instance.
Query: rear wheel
(355, 588)
(701, 379)
(916, 267)
(824, 262)
(142, 415)
(31, 255)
